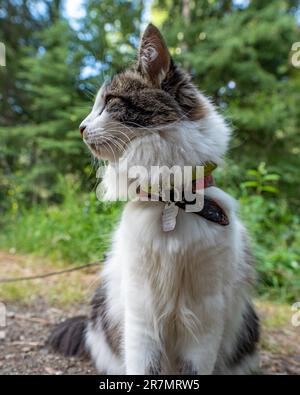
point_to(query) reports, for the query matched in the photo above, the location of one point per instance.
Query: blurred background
(57, 55)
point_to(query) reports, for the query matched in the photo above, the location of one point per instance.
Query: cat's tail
(68, 338)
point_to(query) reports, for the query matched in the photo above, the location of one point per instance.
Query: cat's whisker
(118, 138)
(98, 141)
(125, 135)
(117, 144)
(106, 143)
(125, 126)
(112, 136)
(89, 93)
(108, 130)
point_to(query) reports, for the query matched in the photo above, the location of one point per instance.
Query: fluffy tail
(68, 338)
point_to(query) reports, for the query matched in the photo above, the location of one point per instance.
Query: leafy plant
(261, 180)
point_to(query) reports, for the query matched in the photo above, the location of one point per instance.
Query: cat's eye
(108, 99)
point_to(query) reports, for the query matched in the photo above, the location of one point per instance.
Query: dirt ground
(28, 324)
(23, 350)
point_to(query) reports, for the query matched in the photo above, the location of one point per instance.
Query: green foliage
(35, 152)
(15, 34)
(77, 230)
(276, 242)
(239, 55)
(40, 140)
(273, 224)
(110, 32)
(261, 180)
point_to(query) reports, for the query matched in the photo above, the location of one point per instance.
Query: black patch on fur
(99, 317)
(68, 337)
(179, 85)
(144, 107)
(248, 337)
(187, 368)
(154, 369)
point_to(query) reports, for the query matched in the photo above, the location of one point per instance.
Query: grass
(274, 315)
(278, 335)
(57, 290)
(79, 286)
(77, 231)
(44, 238)
(49, 238)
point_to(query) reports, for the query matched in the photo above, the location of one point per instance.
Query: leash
(41, 276)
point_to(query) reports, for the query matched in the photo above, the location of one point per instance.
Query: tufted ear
(154, 59)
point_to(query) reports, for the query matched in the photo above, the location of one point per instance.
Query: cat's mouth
(110, 143)
(103, 147)
(96, 147)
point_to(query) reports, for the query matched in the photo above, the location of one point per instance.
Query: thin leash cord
(73, 269)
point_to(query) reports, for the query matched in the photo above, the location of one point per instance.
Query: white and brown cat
(169, 302)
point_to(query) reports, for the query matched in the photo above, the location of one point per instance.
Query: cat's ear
(154, 59)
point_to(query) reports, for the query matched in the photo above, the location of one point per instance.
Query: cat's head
(154, 103)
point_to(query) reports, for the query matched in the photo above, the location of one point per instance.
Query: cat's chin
(104, 153)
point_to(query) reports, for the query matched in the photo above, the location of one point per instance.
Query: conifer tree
(239, 54)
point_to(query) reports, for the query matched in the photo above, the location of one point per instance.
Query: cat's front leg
(201, 343)
(200, 357)
(142, 351)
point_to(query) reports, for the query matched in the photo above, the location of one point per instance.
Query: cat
(175, 302)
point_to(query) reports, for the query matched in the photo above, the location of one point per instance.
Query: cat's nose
(82, 129)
